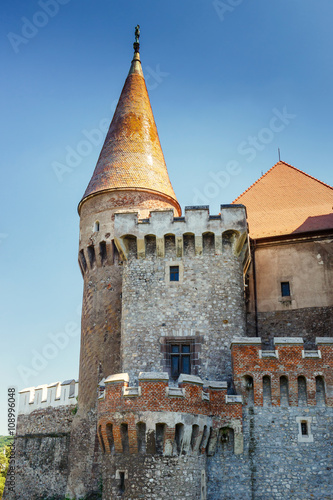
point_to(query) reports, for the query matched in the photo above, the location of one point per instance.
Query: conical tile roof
(286, 200)
(132, 157)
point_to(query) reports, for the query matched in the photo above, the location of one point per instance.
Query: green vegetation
(5, 451)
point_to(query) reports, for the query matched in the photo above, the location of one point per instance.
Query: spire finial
(136, 44)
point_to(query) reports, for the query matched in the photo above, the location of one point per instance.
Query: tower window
(174, 273)
(96, 226)
(180, 359)
(304, 428)
(285, 289)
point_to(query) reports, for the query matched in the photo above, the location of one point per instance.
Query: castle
(206, 345)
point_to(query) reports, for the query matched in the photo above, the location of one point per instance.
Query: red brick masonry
(289, 360)
(116, 408)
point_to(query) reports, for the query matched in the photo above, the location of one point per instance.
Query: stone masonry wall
(41, 459)
(154, 477)
(309, 323)
(100, 330)
(275, 465)
(206, 304)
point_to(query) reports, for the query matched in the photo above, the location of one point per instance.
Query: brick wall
(289, 359)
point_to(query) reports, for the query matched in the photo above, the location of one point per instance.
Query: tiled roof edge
(268, 171)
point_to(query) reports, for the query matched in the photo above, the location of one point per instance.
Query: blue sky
(230, 82)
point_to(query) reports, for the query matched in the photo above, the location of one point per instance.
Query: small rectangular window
(285, 289)
(304, 428)
(174, 273)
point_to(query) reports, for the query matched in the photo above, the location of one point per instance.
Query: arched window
(248, 392)
(267, 397)
(150, 245)
(302, 395)
(109, 435)
(124, 437)
(159, 438)
(189, 244)
(170, 245)
(96, 226)
(194, 436)
(226, 439)
(320, 391)
(179, 434)
(141, 436)
(208, 243)
(204, 439)
(284, 391)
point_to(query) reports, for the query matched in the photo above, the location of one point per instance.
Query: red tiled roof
(286, 200)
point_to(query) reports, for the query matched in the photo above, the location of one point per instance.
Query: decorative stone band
(289, 375)
(230, 226)
(43, 396)
(175, 419)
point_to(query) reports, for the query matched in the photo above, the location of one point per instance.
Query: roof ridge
(288, 165)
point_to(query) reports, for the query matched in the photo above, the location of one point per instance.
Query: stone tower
(163, 296)
(130, 175)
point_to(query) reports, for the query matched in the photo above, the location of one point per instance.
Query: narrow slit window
(96, 226)
(174, 273)
(285, 288)
(304, 428)
(121, 482)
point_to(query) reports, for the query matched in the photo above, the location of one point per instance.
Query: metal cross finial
(136, 44)
(137, 33)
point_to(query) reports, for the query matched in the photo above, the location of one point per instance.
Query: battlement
(197, 233)
(163, 411)
(43, 396)
(227, 228)
(287, 375)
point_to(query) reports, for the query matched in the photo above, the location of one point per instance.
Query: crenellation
(43, 396)
(162, 224)
(289, 361)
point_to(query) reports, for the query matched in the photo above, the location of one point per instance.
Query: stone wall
(100, 330)
(154, 477)
(275, 464)
(208, 304)
(309, 323)
(41, 458)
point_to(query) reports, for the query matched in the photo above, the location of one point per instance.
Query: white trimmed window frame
(301, 437)
(174, 263)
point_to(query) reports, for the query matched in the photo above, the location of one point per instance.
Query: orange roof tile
(132, 157)
(286, 200)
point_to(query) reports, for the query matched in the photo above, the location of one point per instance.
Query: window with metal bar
(180, 359)
(174, 273)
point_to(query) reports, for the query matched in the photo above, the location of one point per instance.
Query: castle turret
(130, 175)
